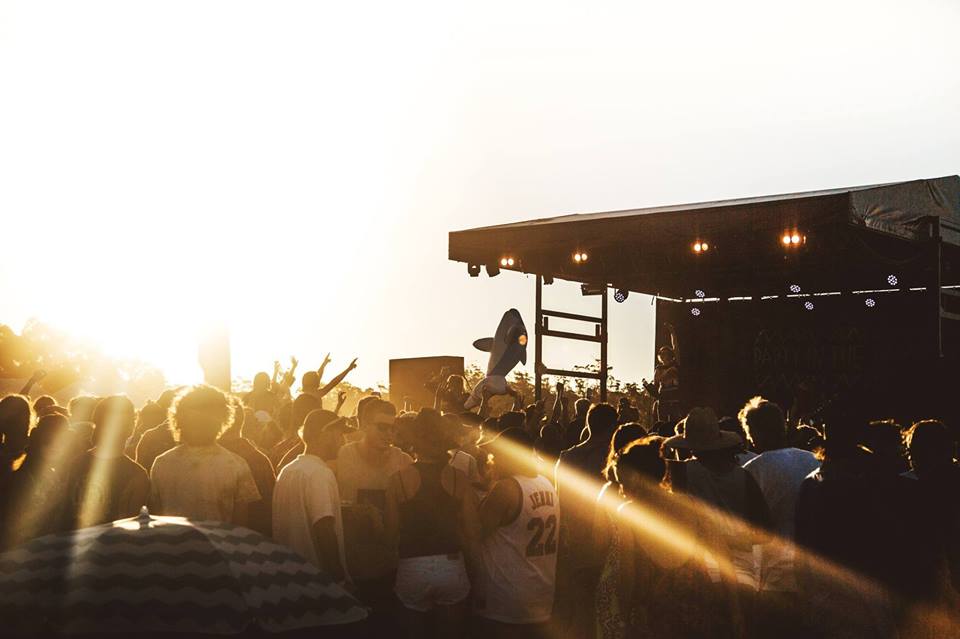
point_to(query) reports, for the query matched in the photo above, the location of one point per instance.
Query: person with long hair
(198, 478)
(431, 518)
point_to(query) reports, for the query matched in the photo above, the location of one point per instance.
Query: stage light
(699, 293)
(695, 311)
(473, 270)
(892, 280)
(492, 270)
(786, 239)
(580, 257)
(795, 238)
(870, 302)
(509, 261)
(808, 305)
(700, 247)
(506, 261)
(794, 288)
(620, 295)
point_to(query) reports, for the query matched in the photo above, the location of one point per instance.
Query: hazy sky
(293, 168)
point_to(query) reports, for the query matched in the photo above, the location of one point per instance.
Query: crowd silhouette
(575, 522)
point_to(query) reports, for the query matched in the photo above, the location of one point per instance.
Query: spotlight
(695, 311)
(794, 288)
(473, 270)
(795, 238)
(870, 302)
(507, 261)
(580, 257)
(699, 293)
(492, 270)
(701, 247)
(785, 239)
(892, 280)
(620, 295)
(808, 305)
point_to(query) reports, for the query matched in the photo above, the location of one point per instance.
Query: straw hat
(701, 431)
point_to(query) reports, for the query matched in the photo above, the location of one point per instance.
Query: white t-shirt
(779, 474)
(306, 492)
(201, 483)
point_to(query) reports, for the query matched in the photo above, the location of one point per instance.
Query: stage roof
(849, 238)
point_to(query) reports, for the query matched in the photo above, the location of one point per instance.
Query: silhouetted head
(113, 420)
(432, 435)
(43, 404)
(581, 407)
(512, 419)
(310, 381)
(639, 465)
(622, 437)
(764, 424)
(930, 446)
(16, 417)
(50, 438)
(885, 439)
(322, 433)
(261, 382)
(151, 415)
(602, 421)
(379, 424)
(302, 406)
(200, 414)
(666, 356)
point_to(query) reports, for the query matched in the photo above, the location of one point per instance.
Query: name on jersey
(541, 498)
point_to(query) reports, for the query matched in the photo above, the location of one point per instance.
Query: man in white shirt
(306, 499)
(779, 470)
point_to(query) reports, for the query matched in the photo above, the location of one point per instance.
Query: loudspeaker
(414, 379)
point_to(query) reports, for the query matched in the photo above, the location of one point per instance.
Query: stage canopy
(838, 239)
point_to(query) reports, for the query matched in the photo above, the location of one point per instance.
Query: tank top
(428, 520)
(520, 559)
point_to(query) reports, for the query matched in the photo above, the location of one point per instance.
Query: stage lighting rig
(700, 247)
(893, 280)
(620, 295)
(507, 261)
(870, 302)
(808, 305)
(700, 293)
(580, 257)
(795, 288)
(473, 270)
(695, 311)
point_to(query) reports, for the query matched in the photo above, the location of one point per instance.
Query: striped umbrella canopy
(166, 575)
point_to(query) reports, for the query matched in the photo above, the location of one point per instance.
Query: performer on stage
(507, 348)
(665, 388)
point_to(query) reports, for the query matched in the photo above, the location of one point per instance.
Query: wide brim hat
(701, 431)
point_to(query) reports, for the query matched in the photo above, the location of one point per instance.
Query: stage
(850, 292)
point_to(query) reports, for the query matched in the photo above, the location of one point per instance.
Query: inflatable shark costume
(507, 348)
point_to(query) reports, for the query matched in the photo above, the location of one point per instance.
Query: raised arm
(36, 377)
(441, 385)
(557, 413)
(323, 366)
(673, 341)
(339, 378)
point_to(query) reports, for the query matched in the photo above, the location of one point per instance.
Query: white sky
(293, 168)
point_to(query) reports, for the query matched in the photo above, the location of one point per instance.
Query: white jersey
(520, 559)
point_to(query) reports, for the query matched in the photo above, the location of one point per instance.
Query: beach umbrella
(150, 575)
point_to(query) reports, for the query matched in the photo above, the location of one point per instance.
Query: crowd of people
(577, 522)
